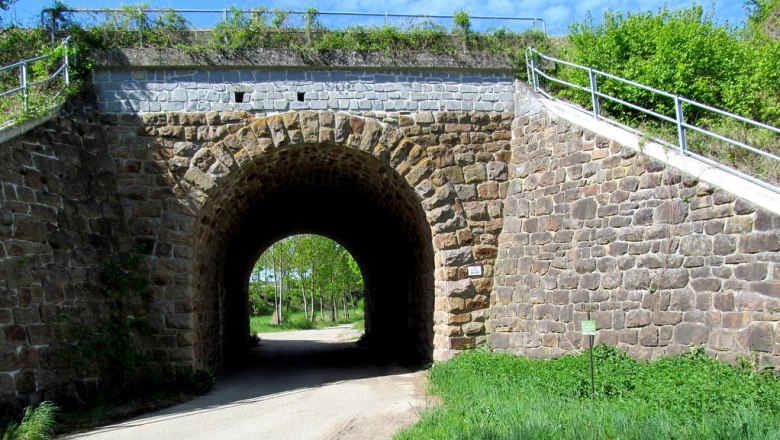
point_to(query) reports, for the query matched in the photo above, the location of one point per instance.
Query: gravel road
(308, 384)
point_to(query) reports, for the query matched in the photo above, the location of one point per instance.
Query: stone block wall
(201, 90)
(173, 165)
(60, 219)
(662, 262)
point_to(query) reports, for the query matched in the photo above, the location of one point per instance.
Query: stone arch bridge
(477, 212)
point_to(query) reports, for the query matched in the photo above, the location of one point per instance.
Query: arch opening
(344, 194)
(304, 281)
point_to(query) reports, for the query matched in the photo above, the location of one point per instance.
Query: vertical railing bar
(527, 65)
(534, 74)
(681, 138)
(67, 63)
(224, 19)
(23, 79)
(594, 97)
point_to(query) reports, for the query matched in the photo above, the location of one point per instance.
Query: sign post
(588, 329)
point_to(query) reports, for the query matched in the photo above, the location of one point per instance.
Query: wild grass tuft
(37, 424)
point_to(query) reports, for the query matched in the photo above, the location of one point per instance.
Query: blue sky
(558, 14)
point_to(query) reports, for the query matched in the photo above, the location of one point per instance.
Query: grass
(37, 424)
(297, 321)
(501, 396)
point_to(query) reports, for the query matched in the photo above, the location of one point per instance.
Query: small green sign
(588, 327)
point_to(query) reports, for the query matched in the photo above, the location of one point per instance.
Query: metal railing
(26, 82)
(535, 72)
(337, 19)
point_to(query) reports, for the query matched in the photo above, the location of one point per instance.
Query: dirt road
(310, 384)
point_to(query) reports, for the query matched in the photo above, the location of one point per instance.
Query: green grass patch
(36, 424)
(297, 321)
(501, 396)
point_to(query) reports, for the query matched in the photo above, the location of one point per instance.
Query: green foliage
(133, 27)
(462, 20)
(303, 270)
(37, 424)
(312, 18)
(763, 17)
(680, 51)
(684, 52)
(386, 38)
(17, 44)
(488, 396)
(259, 299)
(113, 344)
(280, 17)
(240, 30)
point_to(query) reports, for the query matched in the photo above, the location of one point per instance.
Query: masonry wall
(59, 220)
(155, 90)
(562, 223)
(173, 166)
(662, 262)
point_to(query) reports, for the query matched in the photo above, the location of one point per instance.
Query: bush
(682, 52)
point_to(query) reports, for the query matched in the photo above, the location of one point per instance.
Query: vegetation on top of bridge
(135, 26)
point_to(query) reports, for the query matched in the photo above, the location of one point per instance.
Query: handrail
(535, 72)
(536, 21)
(25, 82)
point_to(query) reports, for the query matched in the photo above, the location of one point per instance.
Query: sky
(557, 14)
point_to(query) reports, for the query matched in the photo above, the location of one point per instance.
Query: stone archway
(350, 178)
(417, 199)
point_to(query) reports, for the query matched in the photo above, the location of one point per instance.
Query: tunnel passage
(344, 194)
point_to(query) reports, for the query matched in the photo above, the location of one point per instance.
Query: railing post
(681, 138)
(23, 80)
(594, 97)
(224, 20)
(534, 75)
(67, 63)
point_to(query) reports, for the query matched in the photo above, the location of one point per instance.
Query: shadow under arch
(345, 194)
